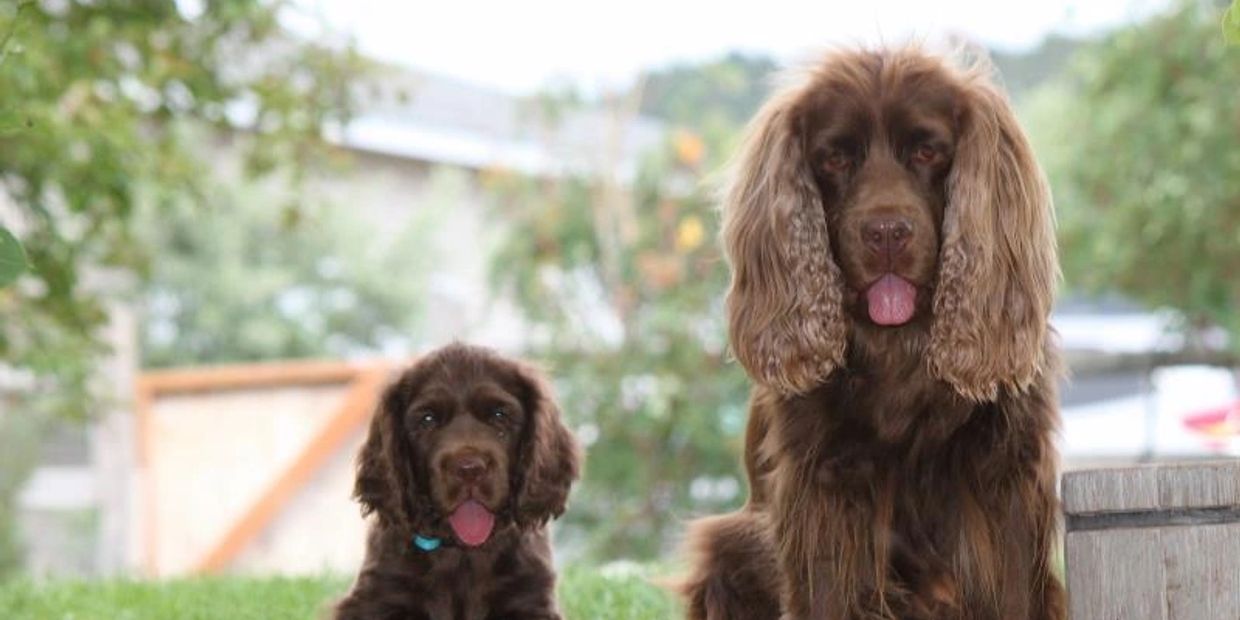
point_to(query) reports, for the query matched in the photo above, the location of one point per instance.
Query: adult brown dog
(466, 461)
(893, 254)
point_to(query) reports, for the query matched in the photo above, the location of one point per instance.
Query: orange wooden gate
(227, 453)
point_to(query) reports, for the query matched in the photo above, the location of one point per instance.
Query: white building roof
(441, 120)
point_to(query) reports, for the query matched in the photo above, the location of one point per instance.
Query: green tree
(1025, 70)
(622, 285)
(96, 100)
(623, 294)
(721, 93)
(100, 103)
(1231, 23)
(1141, 150)
(237, 280)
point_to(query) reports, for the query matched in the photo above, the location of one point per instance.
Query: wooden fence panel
(1159, 542)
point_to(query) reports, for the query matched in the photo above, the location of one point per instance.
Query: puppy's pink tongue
(472, 523)
(891, 300)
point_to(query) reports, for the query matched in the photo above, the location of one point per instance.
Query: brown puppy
(466, 461)
(891, 240)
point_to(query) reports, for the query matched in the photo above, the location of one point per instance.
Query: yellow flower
(689, 147)
(689, 234)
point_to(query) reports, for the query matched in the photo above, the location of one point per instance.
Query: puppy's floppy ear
(785, 315)
(386, 483)
(549, 458)
(997, 265)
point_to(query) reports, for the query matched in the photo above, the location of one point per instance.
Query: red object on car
(1220, 426)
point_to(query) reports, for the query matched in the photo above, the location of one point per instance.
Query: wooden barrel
(1158, 542)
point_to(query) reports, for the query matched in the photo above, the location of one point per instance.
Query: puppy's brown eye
(428, 419)
(925, 154)
(499, 414)
(837, 161)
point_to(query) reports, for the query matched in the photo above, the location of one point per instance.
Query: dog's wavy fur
(894, 472)
(512, 574)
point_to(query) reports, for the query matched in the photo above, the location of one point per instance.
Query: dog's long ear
(997, 266)
(549, 458)
(386, 482)
(785, 316)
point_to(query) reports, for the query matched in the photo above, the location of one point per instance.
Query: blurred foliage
(238, 280)
(713, 97)
(622, 286)
(1140, 143)
(1231, 23)
(94, 101)
(1024, 71)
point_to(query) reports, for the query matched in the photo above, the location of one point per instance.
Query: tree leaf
(12, 258)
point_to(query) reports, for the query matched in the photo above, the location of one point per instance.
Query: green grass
(189, 599)
(585, 594)
(588, 594)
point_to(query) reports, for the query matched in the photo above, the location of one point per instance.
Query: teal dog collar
(426, 544)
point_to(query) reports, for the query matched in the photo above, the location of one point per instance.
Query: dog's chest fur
(492, 582)
(465, 584)
(930, 464)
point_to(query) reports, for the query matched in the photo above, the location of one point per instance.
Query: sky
(521, 47)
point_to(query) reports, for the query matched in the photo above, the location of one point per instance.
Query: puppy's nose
(468, 467)
(886, 236)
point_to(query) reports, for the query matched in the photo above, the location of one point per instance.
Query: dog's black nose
(468, 467)
(886, 236)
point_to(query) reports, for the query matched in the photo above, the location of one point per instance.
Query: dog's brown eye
(499, 414)
(428, 419)
(837, 161)
(925, 154)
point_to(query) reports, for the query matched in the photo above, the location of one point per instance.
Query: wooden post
(112, 431)
(1158, 542)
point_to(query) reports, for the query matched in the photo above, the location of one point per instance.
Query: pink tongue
(891, 300)
(472, 523)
